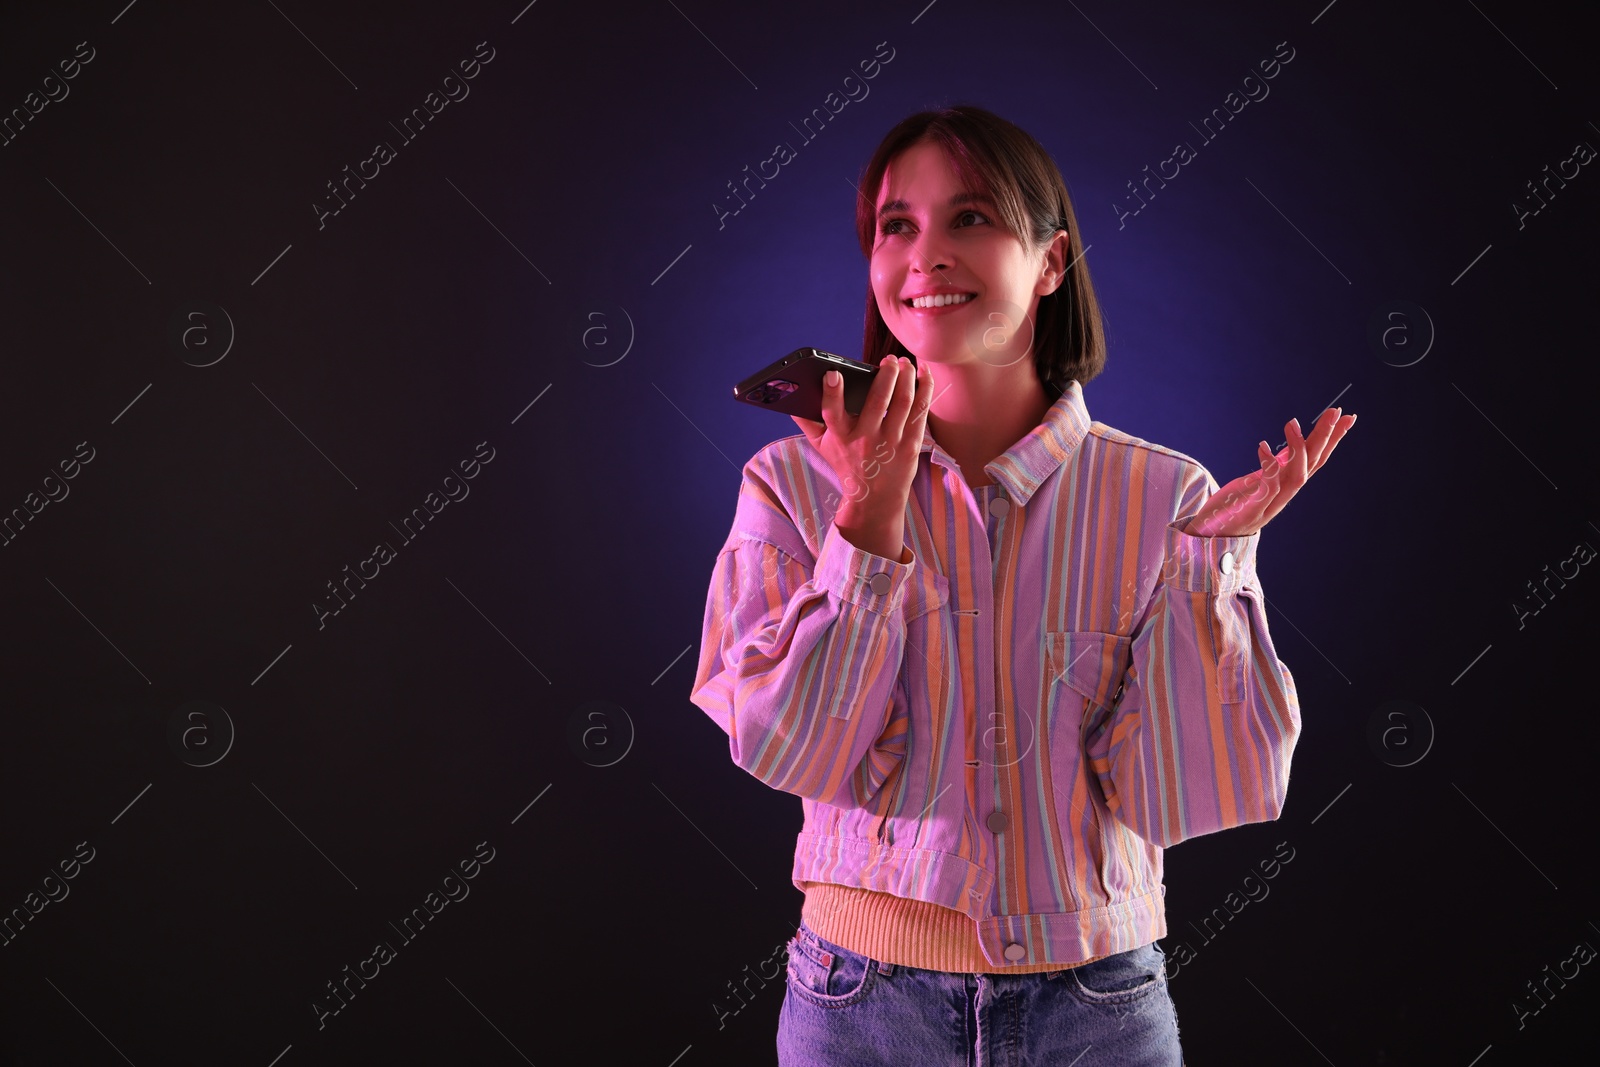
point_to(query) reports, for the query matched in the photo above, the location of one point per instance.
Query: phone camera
(773, 390)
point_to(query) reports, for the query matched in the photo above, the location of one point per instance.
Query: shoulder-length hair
(993, 156)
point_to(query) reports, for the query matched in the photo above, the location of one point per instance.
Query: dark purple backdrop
(542, 269)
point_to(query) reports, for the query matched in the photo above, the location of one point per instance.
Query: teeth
(940, 301)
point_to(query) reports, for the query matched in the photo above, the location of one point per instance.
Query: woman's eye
(890, 227)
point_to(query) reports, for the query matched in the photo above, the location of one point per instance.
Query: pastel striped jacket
(1060, 684)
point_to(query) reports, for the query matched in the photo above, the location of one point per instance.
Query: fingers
(879, 397)
(916, 426)
(1273, 463)
(922, 402)
(889, 405)
(1283, 473)
(1330, 429)
(1338, 430)
(1298, 468)
(1318, 443)
(905, 387)
(833, 413)
(893, 413)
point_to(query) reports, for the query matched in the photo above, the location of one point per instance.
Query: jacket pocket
(1088, 667)
(1091, 663)
(927, 591)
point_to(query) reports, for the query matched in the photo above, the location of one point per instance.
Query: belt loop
(885, 967)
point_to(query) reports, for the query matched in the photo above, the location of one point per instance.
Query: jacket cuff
(1209, 564)
(861, 577)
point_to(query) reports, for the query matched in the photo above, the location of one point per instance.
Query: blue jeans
(841, 1008)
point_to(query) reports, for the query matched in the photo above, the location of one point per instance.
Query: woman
(1004, 654)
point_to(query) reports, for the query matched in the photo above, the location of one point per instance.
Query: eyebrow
(955, 201)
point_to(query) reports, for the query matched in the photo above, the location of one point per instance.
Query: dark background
(542, 269)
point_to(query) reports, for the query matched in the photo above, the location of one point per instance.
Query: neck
(979, 412)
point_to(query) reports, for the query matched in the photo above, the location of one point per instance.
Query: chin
(931, 354)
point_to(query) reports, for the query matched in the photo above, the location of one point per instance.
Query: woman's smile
(940, 304)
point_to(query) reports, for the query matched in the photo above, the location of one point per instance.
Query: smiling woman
(977, 675)
(982, 180)
(915, 280)
(970, 246)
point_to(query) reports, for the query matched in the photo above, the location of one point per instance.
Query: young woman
(1004, 654)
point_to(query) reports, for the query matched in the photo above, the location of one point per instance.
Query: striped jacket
(1058, 685)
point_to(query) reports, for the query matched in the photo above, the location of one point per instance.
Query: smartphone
(793, 385)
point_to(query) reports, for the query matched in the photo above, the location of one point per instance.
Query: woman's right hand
(874, 455)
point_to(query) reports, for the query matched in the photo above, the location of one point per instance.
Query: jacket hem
(947, 880)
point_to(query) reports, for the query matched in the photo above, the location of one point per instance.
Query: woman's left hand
(1248, 503)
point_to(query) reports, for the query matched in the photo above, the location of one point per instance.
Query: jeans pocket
(1123, 978)
(826, 974)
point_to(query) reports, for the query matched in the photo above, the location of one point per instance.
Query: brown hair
(993, 156)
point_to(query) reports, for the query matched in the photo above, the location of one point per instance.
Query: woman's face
(934, 235)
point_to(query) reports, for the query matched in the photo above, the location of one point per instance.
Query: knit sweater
(911, 933)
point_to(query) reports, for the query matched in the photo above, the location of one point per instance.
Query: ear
(1053, 269)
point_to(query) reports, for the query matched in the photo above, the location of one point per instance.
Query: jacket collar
(1023, 467)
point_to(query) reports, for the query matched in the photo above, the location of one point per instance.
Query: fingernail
(1296, 423)
(831, 378)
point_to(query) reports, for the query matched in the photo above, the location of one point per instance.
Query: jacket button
(998, 821)
(880, 583)
(1226, 563)
(999, 506)
(1016, 953)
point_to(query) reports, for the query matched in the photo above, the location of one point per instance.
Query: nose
(927, 259)
(930, 253)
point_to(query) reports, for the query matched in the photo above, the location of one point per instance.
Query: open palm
(1249, 502)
